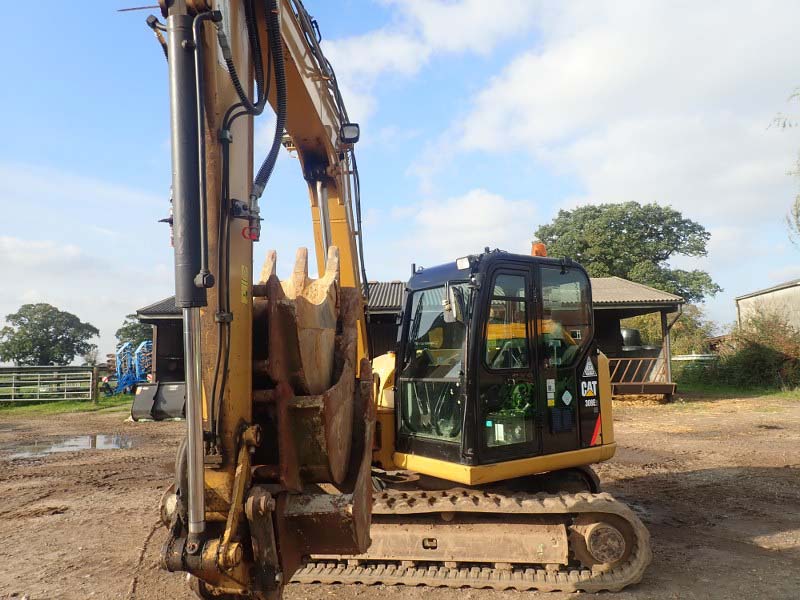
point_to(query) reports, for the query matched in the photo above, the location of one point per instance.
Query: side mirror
(452, 305)
(350, 133)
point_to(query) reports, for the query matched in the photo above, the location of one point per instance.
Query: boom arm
(260, 430)
(317, 127)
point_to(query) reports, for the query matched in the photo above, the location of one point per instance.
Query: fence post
(666, 346)
(93, 383)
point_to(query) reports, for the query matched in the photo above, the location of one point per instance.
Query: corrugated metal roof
(162, 308)
(774, 288)
(616, 291)
(385, 296)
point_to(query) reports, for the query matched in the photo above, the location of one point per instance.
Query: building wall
(785, 302)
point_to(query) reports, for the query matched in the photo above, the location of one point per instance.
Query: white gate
(37, 384)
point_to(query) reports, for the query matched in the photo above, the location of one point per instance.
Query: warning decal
(566, 398)
(589, 370)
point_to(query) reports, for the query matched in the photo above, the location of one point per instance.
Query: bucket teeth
(303, 313)
(268, 268)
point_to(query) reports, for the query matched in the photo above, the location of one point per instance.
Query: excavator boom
(279, 390)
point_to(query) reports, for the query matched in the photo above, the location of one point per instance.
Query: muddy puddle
(69, 444)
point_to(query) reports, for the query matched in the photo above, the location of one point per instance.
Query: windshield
(430, 382)
(435, 347)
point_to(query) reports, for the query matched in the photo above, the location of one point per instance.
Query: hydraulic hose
(204, 278)
(255, 45)
(276, 48)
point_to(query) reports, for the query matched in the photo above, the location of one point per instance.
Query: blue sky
(478, 125)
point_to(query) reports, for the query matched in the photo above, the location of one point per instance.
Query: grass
(65, 406)
(716, 390)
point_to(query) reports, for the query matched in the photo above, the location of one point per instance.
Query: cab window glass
(435, 347)
(566, 315)
(430, 380)
(509, 286)
(507, 324)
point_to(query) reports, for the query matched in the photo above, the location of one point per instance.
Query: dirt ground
(717, 482)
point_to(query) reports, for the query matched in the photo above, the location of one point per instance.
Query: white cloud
(420, 29)
(717, 168)
(86, 245)
(666, 102)
(95, 289)
(441, 231)
(465, 25)
(653, 101)
(28, 184)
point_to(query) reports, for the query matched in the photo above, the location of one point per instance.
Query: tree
(783, 121)
(793, 220)
(632, 241)
(133, 331)
(90, 358)
(40, 335)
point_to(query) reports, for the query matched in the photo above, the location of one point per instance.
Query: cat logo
(589, 389)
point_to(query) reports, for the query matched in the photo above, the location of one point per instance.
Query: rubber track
(520, 577)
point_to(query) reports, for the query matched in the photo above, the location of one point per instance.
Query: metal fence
(638, 369)
(37, 384)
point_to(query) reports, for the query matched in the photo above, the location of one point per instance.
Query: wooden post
(93, 383)
(153, 355)
(667, 347)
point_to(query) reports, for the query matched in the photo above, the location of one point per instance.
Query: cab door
(565, 333)
(506, 386)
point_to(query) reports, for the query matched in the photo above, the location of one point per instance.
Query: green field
(54, 407)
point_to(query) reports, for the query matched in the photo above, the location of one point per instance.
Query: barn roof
(616, 292)
(384, 296)
(774, 288)
(163, 309)
(387, 297)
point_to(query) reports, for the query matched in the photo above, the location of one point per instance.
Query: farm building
(783, 299)
(635, 368)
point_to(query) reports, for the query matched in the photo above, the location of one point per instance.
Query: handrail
(647, 369)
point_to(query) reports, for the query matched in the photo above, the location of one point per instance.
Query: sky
(479, 124)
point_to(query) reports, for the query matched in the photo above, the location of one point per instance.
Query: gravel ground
(717, 482)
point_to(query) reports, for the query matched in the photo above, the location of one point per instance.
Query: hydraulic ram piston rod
(194, 420)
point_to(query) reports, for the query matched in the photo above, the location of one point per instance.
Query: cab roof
(439, 274)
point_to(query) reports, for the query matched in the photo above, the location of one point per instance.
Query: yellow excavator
(463, 457)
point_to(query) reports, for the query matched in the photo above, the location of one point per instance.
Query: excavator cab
(494, 407)
(497, 368)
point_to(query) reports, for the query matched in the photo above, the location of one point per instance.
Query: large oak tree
(42, 335)
(634, 241)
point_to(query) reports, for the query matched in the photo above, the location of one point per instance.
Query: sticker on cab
(589, 370)
(589, 389)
